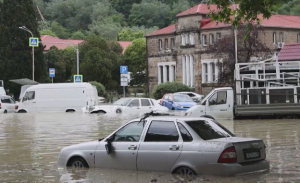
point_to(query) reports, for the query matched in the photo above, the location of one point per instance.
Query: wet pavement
(30, 145)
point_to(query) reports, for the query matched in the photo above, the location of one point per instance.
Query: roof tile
(167, 30)
(289, 52)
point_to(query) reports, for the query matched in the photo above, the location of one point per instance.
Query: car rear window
(209, 130)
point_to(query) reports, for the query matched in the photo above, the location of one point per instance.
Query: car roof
(174, 118)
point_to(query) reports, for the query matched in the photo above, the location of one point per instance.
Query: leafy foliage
(16, 55)
(168, 87)
(247, 11)
(100, 61)
(290, 8)
(135, 58)
(100, 88)
(224, 51)
(47, 32)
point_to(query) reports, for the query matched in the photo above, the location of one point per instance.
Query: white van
(2, 91)
(218, 104)
(57, 97)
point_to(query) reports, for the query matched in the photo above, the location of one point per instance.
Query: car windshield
(182, 98)
(209, 130)
(122, 101)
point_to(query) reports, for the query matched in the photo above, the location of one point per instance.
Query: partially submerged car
(183, 145)
(177, 101)
(128, 105)
(8, 104)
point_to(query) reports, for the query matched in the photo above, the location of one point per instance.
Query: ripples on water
(30, 145)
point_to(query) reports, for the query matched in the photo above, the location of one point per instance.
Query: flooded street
(30, 145)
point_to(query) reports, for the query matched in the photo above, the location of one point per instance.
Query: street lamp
(72, 45)
(235, 32)
(27, 30)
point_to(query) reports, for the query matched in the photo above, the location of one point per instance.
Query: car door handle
(223, 110)
(33, 102)
(174, 147)
(132, 147)
(138, 108)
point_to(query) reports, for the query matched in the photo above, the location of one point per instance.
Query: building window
(192, 40)
(298, 38)
(281, 37)
(210, 70)
(182, 40)
(204, 40)
(188, 70)
(274, 38)
(211, 39)
(172, 43)
(219, 36)
(160, 44)
(187, 39)
(166, 72)
(213, 68)
(166, 44)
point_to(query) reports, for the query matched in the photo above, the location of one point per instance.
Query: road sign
(34, 42)
(123, 69)
(52, 72)
(124, 79)
(78, 78)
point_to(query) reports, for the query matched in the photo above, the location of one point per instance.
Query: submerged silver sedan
(176, 144)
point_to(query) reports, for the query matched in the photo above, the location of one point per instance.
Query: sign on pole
(124, 79)
(78, 78)
(123, 69)
(52, 72)
(34, 42)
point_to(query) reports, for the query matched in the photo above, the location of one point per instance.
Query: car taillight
(228, 156)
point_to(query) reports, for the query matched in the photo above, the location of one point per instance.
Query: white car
(7, 104)
(128, 105)
(195, 96)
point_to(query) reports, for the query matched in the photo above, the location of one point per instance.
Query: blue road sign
(123, 69)
(34, 41)
(78, 79)
(52, 72)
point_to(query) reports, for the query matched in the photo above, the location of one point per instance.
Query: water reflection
(30, 145)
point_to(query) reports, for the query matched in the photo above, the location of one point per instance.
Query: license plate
(252, 155)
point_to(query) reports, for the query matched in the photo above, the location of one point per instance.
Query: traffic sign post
(78, 78)
(52, 73)
(124, 77)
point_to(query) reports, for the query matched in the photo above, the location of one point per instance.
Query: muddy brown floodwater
(30, 145)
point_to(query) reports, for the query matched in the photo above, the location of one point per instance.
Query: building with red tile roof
(61, 44)
(177, 52)
(289, 52)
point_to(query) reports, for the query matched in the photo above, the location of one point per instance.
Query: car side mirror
(212, 102)
(108, 145)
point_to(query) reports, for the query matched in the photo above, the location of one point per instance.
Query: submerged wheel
(5, 111)
(78, 163)
(118, 111)
(184, 174)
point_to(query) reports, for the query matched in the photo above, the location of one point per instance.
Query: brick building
(174, 52)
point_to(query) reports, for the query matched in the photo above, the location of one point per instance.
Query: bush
(100, 88)
(169, 87)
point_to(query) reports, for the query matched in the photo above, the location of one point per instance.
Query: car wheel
(78, 163)
(184, 174)
(5, 111)
(118, 111)
(173, 109)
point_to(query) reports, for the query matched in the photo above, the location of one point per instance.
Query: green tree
(60, 31)
(124, 6)
(150, 13)
(290, 8)
(16, 55)
(135, 58)
(99, 61)
(48, 32)
(129, 35)
(100, 88)
(78, 35)
(54, 59)
(247, 11)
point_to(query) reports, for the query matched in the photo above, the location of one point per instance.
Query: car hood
(82, 146)
(185, 104)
